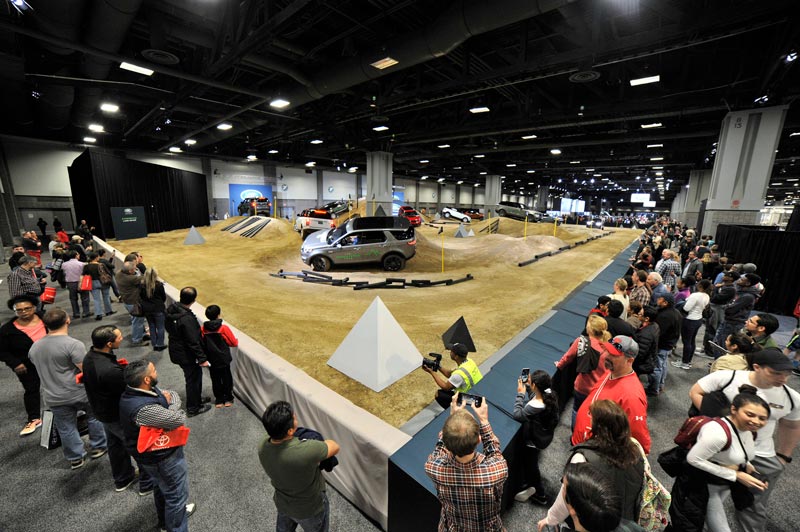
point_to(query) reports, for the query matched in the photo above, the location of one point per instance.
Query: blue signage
(239, 193)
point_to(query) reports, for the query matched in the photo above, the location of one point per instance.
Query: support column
(494, 191)
(541, 198)
(379, 181)
(745, 156)
(699, 184)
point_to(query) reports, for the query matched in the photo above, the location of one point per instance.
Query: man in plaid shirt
(469, 484)
(641, 292)
(669, 269)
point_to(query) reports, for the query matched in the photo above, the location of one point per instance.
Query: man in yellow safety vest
(460, 379)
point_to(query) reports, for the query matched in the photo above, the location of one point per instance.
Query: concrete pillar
(699, 184)
(745, 156)
(494, 192)
(379, 181)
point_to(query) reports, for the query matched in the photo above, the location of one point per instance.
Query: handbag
(86, 283)
(654, 499)
(136, 310)
(105, 276)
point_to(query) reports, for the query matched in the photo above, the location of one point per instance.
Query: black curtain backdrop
(172, 199)
(775, 253)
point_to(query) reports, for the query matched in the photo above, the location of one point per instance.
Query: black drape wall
(775, 253)
(172, 199)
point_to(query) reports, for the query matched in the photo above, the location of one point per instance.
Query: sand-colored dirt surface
(305, 323)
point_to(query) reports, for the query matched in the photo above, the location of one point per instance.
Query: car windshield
(410, 213)
(336, 234)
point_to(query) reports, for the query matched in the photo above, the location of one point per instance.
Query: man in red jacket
(620, 385)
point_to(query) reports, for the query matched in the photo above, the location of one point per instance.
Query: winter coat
(647, 338)
(185, 348)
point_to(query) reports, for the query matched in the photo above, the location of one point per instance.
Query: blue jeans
(156, 323)
(171, 490)
(137, 325)
(317, 523)
(659, 376)
(101, 297)
(65, 418)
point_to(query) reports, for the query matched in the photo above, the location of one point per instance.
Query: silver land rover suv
(387, 240)
(518, 211)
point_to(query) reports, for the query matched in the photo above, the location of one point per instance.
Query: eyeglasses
(19, 310)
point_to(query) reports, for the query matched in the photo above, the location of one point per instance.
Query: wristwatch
(787, 459)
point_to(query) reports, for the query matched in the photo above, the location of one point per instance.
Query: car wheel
(501, 212)
(447, 215)
(320, 263)
(393, 263)
(465, 219)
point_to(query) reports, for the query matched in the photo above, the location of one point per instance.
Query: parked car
(595, 222)
(336, 207)
(255, 206)
(547, 219)
(311, 220)
(410, 214)
(387, 240)
(450, 212)
(475, 214)
(517, 211)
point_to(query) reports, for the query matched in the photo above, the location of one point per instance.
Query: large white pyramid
(376, 352)
(194, 238)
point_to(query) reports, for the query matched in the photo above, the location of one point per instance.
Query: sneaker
(77, 464)
(145, 337)
(540, 498)
(146, 491)
(525, 494)
(110, 313)
(681, 365)
(97, 453)
(127, 485)
(98, 318)
(30, 427)
(202, 410)
(159, 348)
(190, 508)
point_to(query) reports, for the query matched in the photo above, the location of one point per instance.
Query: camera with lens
(434, 364)
(469, 399)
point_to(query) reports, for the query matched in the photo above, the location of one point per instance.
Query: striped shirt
(470, 492)
(669, 270)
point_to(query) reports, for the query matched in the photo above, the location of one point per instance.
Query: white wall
(224, 173)
(39, 168)
(343, 183)
(299, 184)
(410, 190)
(465, 194)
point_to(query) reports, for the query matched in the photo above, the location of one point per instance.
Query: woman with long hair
(153, 299)
(589, 345)
(99, 290)
(717, 462)
(536, 407)
(740, 347)
(612, 450)
(693, 308)
(621, 295)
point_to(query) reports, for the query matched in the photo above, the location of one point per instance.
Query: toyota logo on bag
(162, 441)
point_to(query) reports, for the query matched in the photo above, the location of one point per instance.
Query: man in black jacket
(737, 311)
(186, 351)
(647, 338)
(616, 325)
(104, 381)
(669, 324)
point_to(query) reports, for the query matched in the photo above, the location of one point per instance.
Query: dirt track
(304, 323)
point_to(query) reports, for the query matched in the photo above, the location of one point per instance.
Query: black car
(255, 206)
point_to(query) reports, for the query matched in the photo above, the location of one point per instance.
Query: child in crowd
(217, 342)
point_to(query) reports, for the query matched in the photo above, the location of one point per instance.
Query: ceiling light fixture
(555, 151)
(651, 125)
(109, 107)
(656, 158)
(796, 133)
(175, 149)
(531, 172)
(380, 128)
(386, 62)
(481, 156)
(353, 169)
(136, 68)
(655, 145)
(190, 142)
(279, 103)
(89, 139)
(96, 128)
(658, 168)
(460, 182)
(761, 99)
(224, 126)
(423, 178)
(443, 146)
(511, 165)
(477, 184)
(645, 81)
(529, 137)
(311, 164)
(423, 161)
(574, 162)
(476, 110)
(791, 56)
(440, 180)
(317, 141)
(482, 173)
(252, 157)
(272, 152)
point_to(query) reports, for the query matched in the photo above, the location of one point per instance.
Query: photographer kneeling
(461, 379)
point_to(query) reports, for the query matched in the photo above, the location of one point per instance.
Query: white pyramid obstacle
(461, 232)
(194, 238)
(376, 352)
(471, 233)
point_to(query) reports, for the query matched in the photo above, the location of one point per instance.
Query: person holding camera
(461, 379)
(469, 484)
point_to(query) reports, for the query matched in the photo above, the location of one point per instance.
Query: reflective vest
(472, 375)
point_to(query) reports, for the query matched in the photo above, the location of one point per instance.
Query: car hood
(316, 239)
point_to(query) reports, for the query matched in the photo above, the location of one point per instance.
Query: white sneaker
(525, 494)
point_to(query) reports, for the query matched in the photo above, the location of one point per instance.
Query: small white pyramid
(376, 352)
(194, 238)
(461, 232)
(471, 233)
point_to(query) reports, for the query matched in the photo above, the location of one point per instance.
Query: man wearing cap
(461, 379)
(669, 326)
(737, 311)
(771, 370)
(620, 385)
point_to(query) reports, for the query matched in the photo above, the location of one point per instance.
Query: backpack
(673, 460)
(105, 277)
(588, 357)
(654, 500)
(707, 312)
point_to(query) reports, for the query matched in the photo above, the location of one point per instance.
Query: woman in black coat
(153, 298)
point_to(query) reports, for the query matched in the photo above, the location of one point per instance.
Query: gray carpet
(232, 492)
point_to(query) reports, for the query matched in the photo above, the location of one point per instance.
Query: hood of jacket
(212, 325)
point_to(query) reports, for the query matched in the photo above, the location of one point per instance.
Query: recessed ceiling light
(136, 68)
(796, 133)
(511, 165)
(651, 125)
(317, 141)
(477, 184)
(423, 161)
(531, 172)
(656, 158)
(555, 151)
(353, 169)
(380, 128)
(460, 182)
(476, 110)
(655, 145)
(482, 173)
(252, 157)
(272, 152)
(96, 127)
(443, 146)
(761, 99)
(89, 139)
(658, 168)
(386, 62)
(311, 163)
(645, 81)
(423, 178)
(659, 173)
(479, 156)
(529, 137)
(574, 162)
(224, 126)
(190, 142)
(109, 107)
(440, 180)
(279, 103)
(175, 149)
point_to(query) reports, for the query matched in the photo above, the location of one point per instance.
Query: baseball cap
(752, 278)
(669, 297)
(458, 349)
(622, 345)
(773, 358)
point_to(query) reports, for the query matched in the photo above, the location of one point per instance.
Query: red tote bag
(86, 283)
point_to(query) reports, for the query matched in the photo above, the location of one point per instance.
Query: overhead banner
(238, 193)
